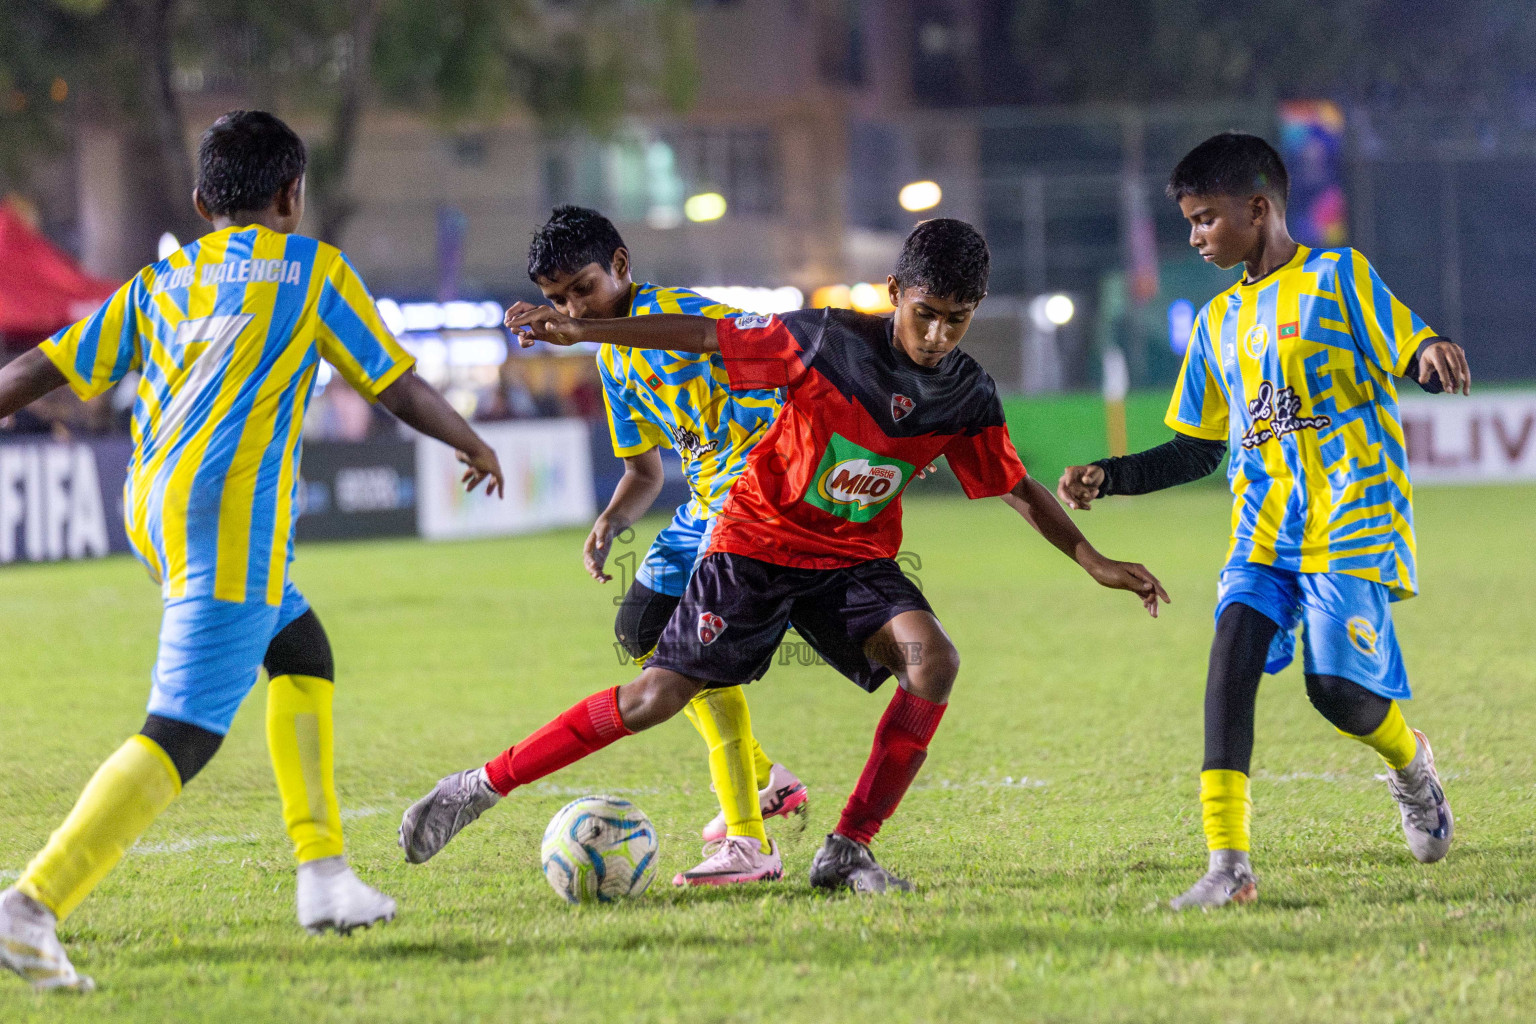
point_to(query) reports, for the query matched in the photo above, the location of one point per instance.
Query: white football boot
(29, 945)
(1228, 879)
(1427, 822)
(331, 897)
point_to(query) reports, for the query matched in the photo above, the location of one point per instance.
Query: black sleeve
(1179, 461)
(1434, 386)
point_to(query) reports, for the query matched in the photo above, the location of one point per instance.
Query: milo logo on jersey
(855, 483)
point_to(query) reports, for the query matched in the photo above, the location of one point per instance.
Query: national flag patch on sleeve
(1291, 329)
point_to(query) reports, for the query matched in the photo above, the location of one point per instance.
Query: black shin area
(301, 648)
(1349, 706)
(642, 616)
(189, 747)
(1232, 686)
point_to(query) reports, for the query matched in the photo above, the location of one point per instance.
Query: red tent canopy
(41, 289)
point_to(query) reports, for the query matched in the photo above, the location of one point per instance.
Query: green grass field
(1057, 810)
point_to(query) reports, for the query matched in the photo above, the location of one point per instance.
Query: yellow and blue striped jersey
(226, 335)
(1296, 372)
(683, 401)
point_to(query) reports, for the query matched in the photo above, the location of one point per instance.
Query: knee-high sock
(723, 719)
(301, 740)
(900, 748)
(582, 729)
(1393, 740)
(762, 764)
(1226, 809)
(127, 793)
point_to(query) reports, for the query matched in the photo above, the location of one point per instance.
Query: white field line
(194, 843)
(9, 876)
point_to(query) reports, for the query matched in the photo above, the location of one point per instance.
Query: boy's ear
(620, 262)
(1259, 206)
(202, 209)
(288, 197)
(893, 288)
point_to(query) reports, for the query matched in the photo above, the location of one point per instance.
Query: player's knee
(932, 667)
(643, 614)
(1348, 706)
(301, 648)
(189, 747)
(655, 697)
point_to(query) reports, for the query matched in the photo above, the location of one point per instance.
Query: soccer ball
(599, 849)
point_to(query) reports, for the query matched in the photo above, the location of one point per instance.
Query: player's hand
(1448, 361)
(1131, 576)
(1079, 485)
(483, 465)
(541, 323)
(928, 470)
(594, 553)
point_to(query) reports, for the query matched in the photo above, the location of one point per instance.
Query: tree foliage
(583, 62)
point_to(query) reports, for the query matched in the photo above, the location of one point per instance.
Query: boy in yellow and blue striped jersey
(1294, 367)
(226, 336)
(677, 400)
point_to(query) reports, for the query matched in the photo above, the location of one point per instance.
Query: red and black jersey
(822, 489)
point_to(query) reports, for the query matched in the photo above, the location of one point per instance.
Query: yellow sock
(1393, 740)
(127, 793)
(300, 738)
(763, 767)
(1226, 809)
(722, 718)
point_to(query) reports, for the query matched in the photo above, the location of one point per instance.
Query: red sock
(583, 729)
(901, 747)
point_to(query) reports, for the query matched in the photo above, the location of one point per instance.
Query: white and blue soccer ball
(599, 849)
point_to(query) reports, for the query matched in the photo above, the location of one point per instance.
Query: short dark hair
(245, 159)
(1231, 164)
(948, 258)
(572, 237)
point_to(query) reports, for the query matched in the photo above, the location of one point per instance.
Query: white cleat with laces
(332, 898)
(29, 945)
(1427, 823)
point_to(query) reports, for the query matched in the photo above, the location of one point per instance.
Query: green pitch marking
(1056, 811)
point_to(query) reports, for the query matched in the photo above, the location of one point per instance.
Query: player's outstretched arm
(25, 379)
(419, 406)
(637, 491)
(1180, 461)
(671, 332)
(1036, 504)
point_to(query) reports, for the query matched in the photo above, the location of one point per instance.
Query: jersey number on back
(194, 337)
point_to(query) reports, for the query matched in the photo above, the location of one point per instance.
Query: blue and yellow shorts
(1346, 623)
(210, 654)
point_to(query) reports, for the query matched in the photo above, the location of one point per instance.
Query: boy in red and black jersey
(808, 534)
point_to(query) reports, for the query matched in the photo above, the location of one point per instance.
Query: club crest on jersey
(710, 627)
(900, 406)
(854, 483)
(1362, 634)
(752, 321)
(1256, 340)
(1274, 414)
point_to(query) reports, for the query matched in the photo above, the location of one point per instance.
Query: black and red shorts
(737, 609)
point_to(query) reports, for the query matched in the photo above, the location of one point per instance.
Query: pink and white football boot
(735, 859)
